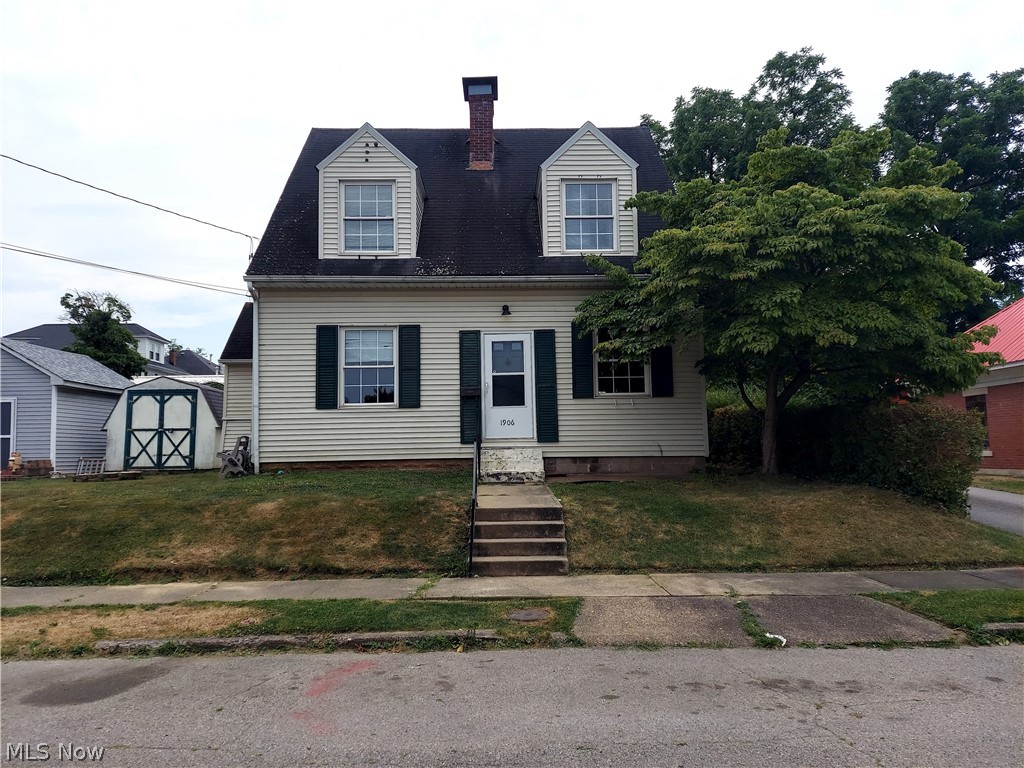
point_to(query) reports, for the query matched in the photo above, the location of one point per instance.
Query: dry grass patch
(64, 630)
(198, 526)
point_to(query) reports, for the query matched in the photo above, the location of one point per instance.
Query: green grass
(55, 632)
(317, 616)
(764, 524)
(964, 609)
(999, 483)
(167, 527)
(401, 523)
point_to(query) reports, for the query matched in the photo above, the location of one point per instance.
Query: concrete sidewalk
(600, 585)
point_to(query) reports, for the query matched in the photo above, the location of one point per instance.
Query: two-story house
(416, 289)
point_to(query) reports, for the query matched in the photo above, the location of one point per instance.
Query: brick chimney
(481, 93)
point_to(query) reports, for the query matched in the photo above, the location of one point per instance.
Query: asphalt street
(573, 707)
(997, 508)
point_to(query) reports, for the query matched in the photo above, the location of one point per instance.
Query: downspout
(254, 444)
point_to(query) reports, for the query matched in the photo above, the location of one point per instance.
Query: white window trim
(14, 426)
(563, 216)
(597, 389)
(342, 218)
(341, 365)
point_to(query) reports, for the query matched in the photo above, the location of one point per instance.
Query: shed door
(160, 430)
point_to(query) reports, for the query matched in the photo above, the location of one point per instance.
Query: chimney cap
(480, 86)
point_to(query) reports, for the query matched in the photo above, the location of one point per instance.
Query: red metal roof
(1009, 341)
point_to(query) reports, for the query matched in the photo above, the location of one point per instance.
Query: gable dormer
(371, 200)
(582, 189)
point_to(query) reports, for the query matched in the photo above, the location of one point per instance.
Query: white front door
(508, 385)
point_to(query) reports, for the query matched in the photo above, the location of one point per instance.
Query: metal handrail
(472, 503)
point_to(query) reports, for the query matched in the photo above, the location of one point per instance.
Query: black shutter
(469, 384)
(661, 372)
(582, 364)
(408, 366)
(326, 366)
(547, 393)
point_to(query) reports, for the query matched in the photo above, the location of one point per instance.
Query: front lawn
(197, 526)
(389, 523)
(754, 523)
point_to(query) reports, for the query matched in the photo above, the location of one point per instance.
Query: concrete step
(511, 465)
(510, 514)
(518, 547)
(521, 566)
(519, 529)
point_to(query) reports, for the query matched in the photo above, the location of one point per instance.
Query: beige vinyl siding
(589, 159)
(291, 429)
(352, 166)
(237, 417)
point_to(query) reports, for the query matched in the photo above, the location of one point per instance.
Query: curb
(1004, 628)
(284, 642)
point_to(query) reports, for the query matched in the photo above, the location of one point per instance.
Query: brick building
(999, 394)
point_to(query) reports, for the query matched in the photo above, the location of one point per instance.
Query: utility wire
(191, 283)
(252, 238)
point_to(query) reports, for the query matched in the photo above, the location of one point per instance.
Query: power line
(252, 238)
(190, 283)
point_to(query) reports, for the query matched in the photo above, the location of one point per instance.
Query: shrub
(924, 450)
(734, 434)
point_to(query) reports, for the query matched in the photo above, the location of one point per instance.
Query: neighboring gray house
(165, 423)
(161, 359)
(54, 403)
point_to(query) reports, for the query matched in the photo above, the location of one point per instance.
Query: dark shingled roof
(239, 344)
(58, 335)
(479, 223)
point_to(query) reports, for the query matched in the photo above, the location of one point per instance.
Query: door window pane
(507, 356)
(508, 391)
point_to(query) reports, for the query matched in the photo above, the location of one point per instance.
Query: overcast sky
(202, 107)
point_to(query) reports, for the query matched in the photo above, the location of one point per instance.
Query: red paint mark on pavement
(313, 722)
(334, 678)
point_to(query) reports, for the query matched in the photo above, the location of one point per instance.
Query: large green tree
(97, 325)
(809, 268)
(980, 126)
(714, 132)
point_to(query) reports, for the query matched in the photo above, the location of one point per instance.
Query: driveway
(997, 508)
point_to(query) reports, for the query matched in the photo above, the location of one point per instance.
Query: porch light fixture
(505, 310)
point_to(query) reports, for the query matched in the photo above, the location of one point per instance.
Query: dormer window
(369, 218)
(589, 216)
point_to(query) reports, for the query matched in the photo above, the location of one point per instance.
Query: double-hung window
(369, 218)
(369, 365)
(589, 216)
(619, 377)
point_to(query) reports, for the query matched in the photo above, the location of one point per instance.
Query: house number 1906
(508, 422)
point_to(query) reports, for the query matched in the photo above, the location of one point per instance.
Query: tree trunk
(769, 431)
